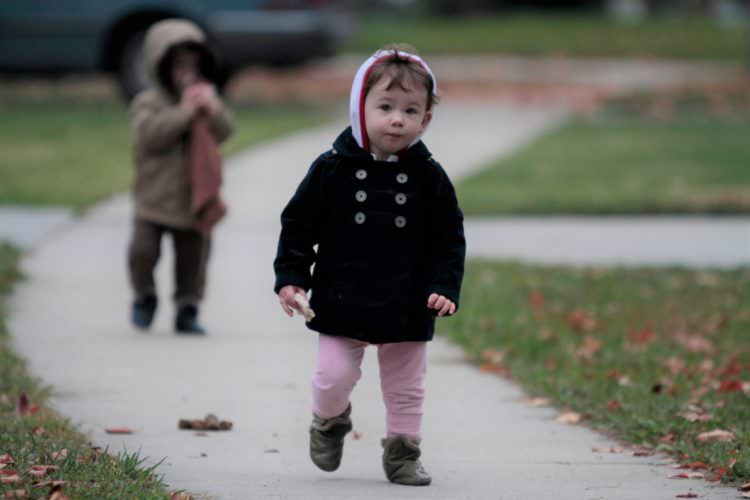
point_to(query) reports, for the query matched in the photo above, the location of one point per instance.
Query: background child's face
(395, 117)
(184, 68)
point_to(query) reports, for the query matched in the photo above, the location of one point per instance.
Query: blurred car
(53, 36)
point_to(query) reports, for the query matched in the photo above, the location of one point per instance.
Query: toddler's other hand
(287, 301)
(441, 303)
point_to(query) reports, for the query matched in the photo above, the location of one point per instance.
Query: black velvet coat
(388, 234)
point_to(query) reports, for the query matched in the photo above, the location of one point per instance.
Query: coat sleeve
(221, 125)
(157, 127)
(447, 243)
(300, 227)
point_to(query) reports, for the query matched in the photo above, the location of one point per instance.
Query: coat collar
(345, 144)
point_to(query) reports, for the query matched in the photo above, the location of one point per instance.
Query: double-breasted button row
(361, 196)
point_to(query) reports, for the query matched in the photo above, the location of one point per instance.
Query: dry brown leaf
(570, 418)
(581, 321)
(537, 402)
(689, 494)
(119, 430)
(591, 345)
(59, 454)
(210, 423)
(613, 405)
(643, 452)
(10, 479)
(611, 449)
(645, 336)
(6, 459)
(271, 450)
(715, 435)
(686, 475)
(180, 495)
(15, 494)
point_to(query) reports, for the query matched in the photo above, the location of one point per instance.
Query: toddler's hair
(402, 71)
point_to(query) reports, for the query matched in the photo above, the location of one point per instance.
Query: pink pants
(403, 366)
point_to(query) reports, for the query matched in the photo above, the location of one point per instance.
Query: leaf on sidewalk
(611, 449)
(180, 495)
(689, 494)
(537, 402)
(210, 423)
(119, 430)
(715, 435)
(687, 475)
(569, 418)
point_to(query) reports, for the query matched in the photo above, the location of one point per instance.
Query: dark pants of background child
(191, 256)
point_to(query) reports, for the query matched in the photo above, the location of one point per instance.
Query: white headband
(357, 97)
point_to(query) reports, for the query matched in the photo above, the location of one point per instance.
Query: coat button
(400, 198)
(361, 174)
(402, 178)
(359, 218)
(360, 196)
(400, 221)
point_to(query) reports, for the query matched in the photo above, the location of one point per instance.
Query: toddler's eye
(412, 111)
(385, 107)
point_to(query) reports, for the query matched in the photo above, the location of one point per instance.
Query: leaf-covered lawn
(659, 356)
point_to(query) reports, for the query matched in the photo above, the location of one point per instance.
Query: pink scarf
(206, 206)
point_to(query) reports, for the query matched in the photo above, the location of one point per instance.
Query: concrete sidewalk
(481, 440)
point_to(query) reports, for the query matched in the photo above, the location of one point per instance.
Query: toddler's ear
(426, 120)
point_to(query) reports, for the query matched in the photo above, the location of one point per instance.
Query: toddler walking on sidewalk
(379, 219)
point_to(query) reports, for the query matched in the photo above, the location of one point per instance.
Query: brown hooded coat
(160, 129)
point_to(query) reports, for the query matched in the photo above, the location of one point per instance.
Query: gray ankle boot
(401, 462)
(327, 440)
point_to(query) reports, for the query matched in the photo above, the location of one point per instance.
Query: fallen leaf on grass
(720, 471)
(180, 495)
(57, 494)
(581, 321)
(613, 405)
(119, 430)
(6, 459)
(537, 402)
(43, 484)
(59, 454)
(591, 345)
(715, 435)
(730, 386)
(10, 478)
(210, 423)
(686, 475)
(645, 336)
(689, 494)
(23, 407)
(569, 418)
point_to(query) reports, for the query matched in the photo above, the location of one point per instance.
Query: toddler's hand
(287, 301)
(441, 303)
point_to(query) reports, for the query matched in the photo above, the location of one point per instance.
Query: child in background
(162, 120)
(389, 258)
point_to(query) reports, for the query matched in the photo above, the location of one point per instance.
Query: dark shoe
(142, 313)
(187, 321)
(327, 440)
(401, 462)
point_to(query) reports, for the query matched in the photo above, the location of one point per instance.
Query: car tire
(132, 72)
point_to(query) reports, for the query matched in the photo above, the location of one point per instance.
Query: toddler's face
(184, 68)
(395, 117)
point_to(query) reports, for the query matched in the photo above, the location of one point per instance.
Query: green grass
(623, 161)
(631, 350)
(76, 153)
(41, 437)
(557, 35)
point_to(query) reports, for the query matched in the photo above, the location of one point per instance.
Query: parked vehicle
(52, 36)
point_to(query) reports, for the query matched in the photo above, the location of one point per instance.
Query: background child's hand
(441, 303)
(286, 298)
(203, 96)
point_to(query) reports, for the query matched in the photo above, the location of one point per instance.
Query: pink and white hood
(357, 97)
